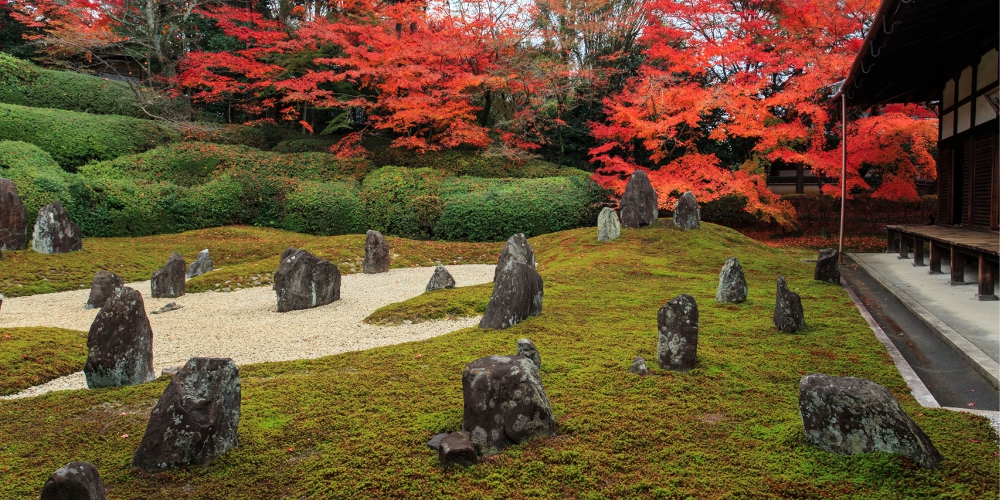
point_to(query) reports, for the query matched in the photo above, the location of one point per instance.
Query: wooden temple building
(944, 51)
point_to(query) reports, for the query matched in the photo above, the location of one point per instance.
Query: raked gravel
(245, 325)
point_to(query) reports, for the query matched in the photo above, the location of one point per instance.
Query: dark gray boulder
(120, 343)
(457, 448)
(505, 403)
(639, 205)
(168, 281)
(826, 266)
(639, 366)
(608, 225)
(848, 416)
(104, 284)
(526, 348)
(732, 283)
(435, 442)
(303, 281)
(517, 249)
(196, 419)
(517, 294)
(201, 265)
(13, 218)
(377, 251)
(54, 232)
(440, 280)
(687, 214)
(678, 342)
(788, 314)
(74, 481)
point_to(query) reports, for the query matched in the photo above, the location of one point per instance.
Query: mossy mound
(35, 355)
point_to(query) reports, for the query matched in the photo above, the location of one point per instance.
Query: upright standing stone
(74, 481)
(732, 283)
(196, 419)
(504, 403)
(826, 266)
(608, 225)
(13, 218)
(168, 281)
(526, 348)
(304, 280)
(678, 324)
(440, 280)
(201, 265)
(376, 253)
(120, 343)
(517, 249)
(54, 232)
(687, 214)
(640, 205)
(788, 314)
(848, 416)
(517, 294)
(101, 289)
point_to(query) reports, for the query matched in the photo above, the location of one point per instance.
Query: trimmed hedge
(401, 201)
(263, 136)
(38, 178)
(324, 208)
(73, 139)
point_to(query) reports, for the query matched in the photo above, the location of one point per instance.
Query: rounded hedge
(391, 197)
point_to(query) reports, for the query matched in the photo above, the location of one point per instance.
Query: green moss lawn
(354, 425)
(35, 355)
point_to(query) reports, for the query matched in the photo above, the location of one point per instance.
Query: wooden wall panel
(943, 183)
(982, 181)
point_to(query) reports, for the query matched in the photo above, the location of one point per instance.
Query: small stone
(826, 266)
(687, 214)
(120, 343)
(54, 232)
(201, 265)
(377, 251)
(74, 481)
(196, 419)
(435, 442)
(170, 306)
(640, 204)
(848, 416)
(168, 281)
(732, 283)
(788, 314)
(13, 218)
(639, 366)
(440, 280)
(678, 342)
(304, 281)
(171, 370)
(526, 348)
(608, 225)
(226, 289)
(104, 284)
(457, 448)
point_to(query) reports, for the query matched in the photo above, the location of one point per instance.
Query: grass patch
(354, 425)
(35, 355)
(450, 303)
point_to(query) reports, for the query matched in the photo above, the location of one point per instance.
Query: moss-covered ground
(441, 304)
(35, 355)
(354, 425)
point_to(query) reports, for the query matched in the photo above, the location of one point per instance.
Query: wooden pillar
(935, 265)
(889, 240)
(986, 280)
(918, 252)
(800, 179)
(957, 267)
(903, 247)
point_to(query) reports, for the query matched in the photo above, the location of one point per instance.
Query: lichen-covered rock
(377, 258)
(457, 448)
(608, 225)
(677, 348)
(120, 343)
(848, 416)
(13, 218)
(517, 294)
(74, 481)
(54, 232)
(517, 249)
(435, 442)
(303, 281)
(440, 280)
(104, 284)
(826, 266)
(687, 214)
(639, 366)
(788, 314)
(639, 205)
(168, 281)
(201, 265)
(504, 403)
(196, 419)
(732, 283)
(526, 348)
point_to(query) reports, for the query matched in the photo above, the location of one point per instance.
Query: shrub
(304, 146)
(38, 178)
(73, 139)
(262, 136)
(325, 208)
(728, 210)
(495, 209)
(123, 207)
(389, 194)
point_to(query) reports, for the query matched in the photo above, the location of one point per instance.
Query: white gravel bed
(244, 325)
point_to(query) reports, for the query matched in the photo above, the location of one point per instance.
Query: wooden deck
(982, 246)
(975, 241)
